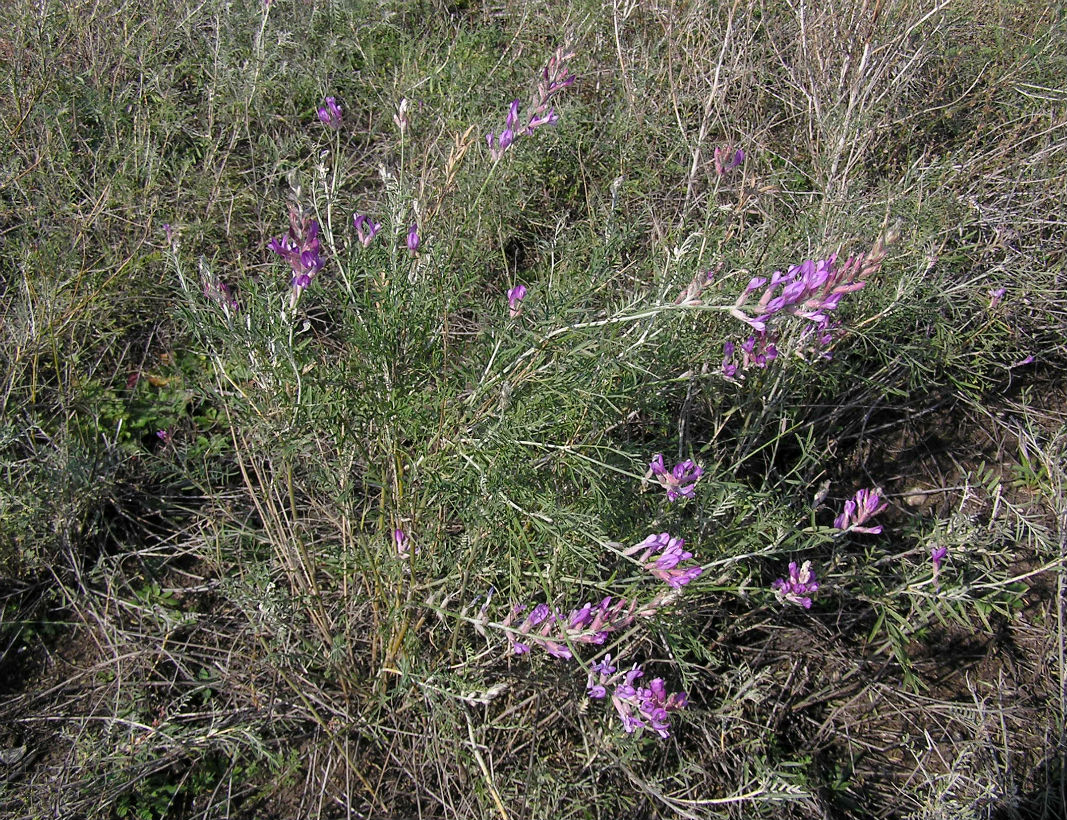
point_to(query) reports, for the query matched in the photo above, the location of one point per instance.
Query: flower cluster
(216, 290)
(660, 554)
(640, 707)
(690, 294)
(678, 482)
(799, 587)
(554, 78)
(811, 290)
(858, 510)
(330, 114)
(300, 248)
(756, 351)
(553, 632)
(592, 624)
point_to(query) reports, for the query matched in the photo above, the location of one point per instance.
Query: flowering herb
(661, 554)
(680, 481)
(798, 587)
(300, 248)
(330, 113)
(515, 297)
(995, 296)
(366, 230)
(413, 239)
(865, 505)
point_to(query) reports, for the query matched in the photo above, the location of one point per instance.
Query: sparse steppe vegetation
(261, 544)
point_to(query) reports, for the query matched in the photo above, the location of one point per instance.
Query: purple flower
(639, 707)
(729, 369)
(330, 113)
(366, 230)
(403, 543)
(865, 505)
(937, 555)
(799, 587)
(553, 79)
(995, 295)
(164, 436)
(515, 297)
(661, 554)
(727, 161)
(809, 290)
(499, 144)
(300, 248)
(413, 239)
(681, 481)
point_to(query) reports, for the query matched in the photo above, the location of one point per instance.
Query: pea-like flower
(515, 297)
(678, 482)
(413, 239)
(330, 113)
(727, 159)
(798, 587)
(366, 229)
(661, 554)
(865, 505)
(937, 556)
(639, 707)
(300, 248)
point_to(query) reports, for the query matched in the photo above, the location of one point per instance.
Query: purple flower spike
(681, 481)
(661, 554)
(515, 297)
(413, 239)
(330, 113)
(553, 79)
(300, 248)
(799, 587)
(639, 707)
(366, 230)
(865, 505)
